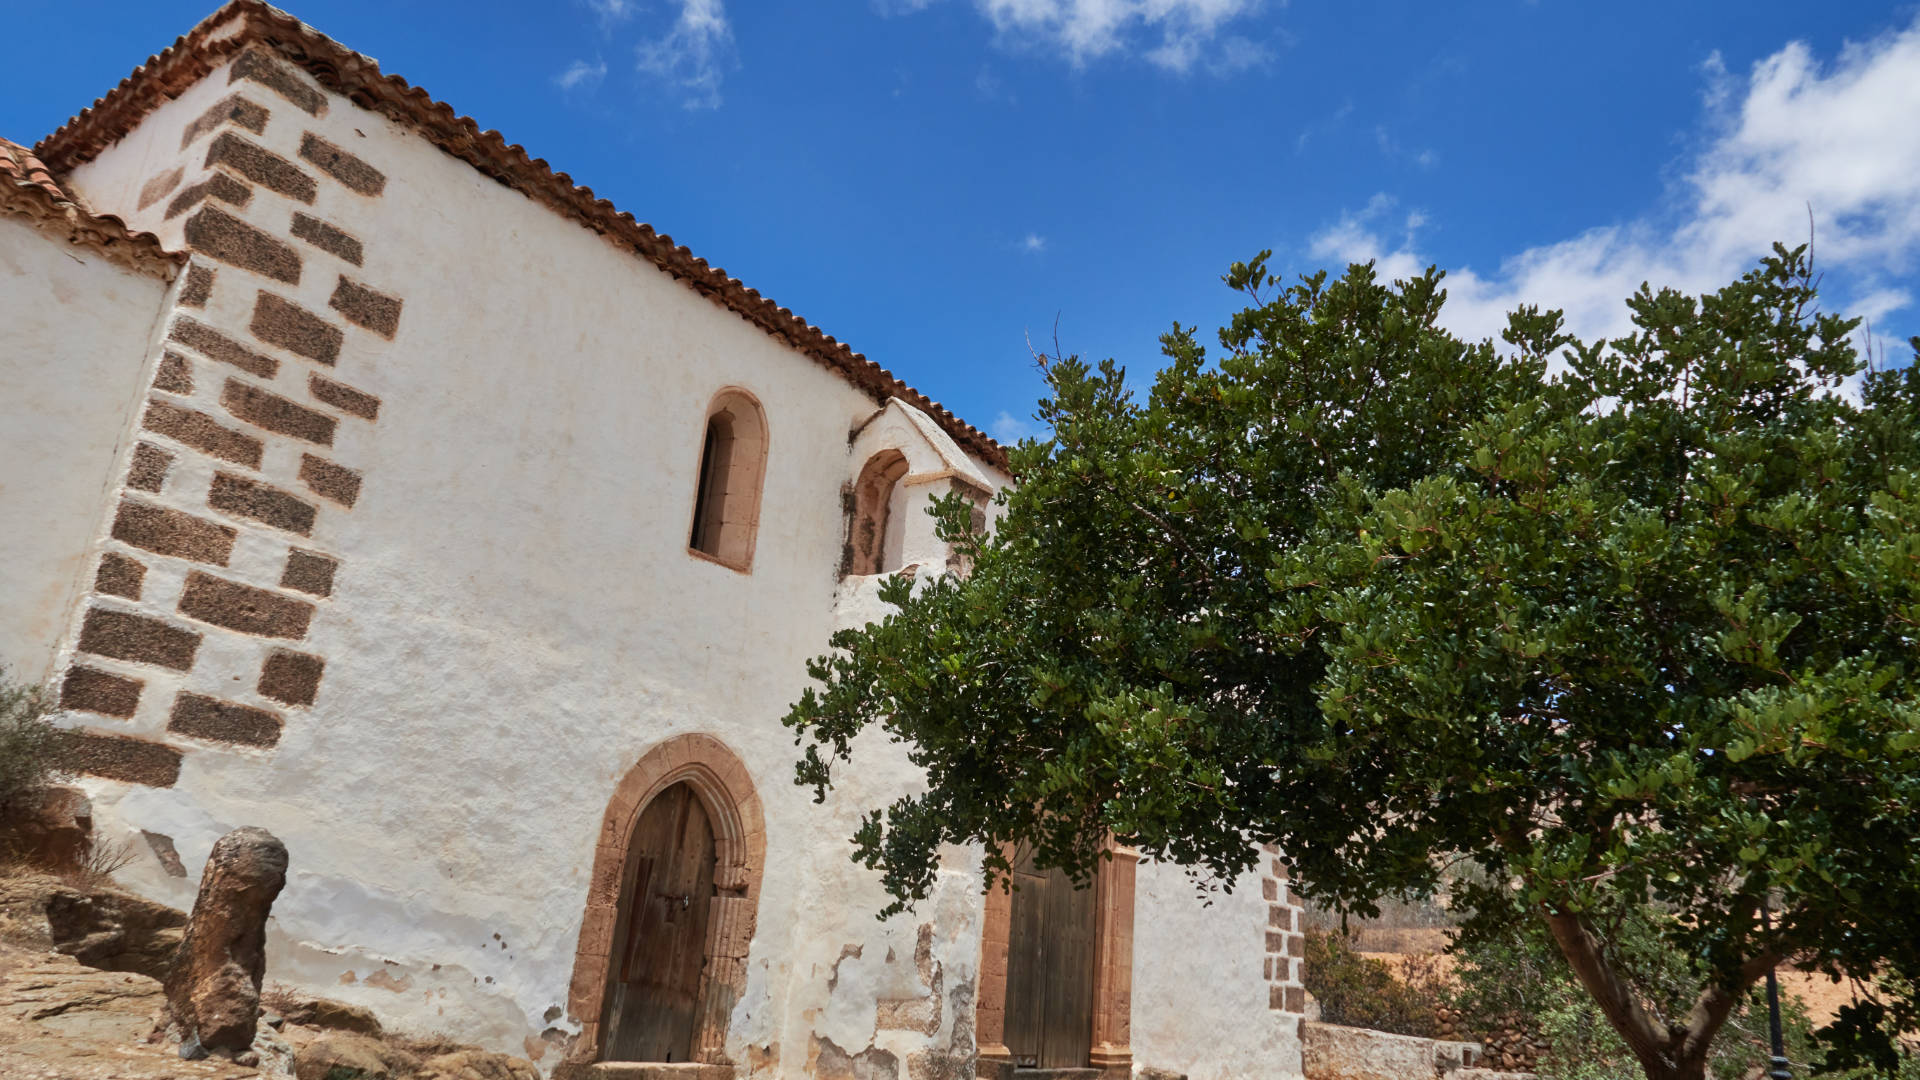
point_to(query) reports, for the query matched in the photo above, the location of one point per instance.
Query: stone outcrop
(99, 926)
(343, 1055)
(477, 1065)
(48, 826)
(325, 1013)
(115, 931)
(62, 1020)
(213, 992)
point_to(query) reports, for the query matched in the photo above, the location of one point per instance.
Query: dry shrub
(1359, 991)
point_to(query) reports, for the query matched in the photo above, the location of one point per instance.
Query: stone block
(342, 166)
(164, 531)
(214, 345)
(326, 237)
(121, 757)
(175, 375)
(232, 109)
(256, 65)
(219, 235)
(119, 576)
(343, 397)
(149, 469)
(281, 322)
(244, 608)
(123, 635)
(291, 678)
(308, 571)
(362, 306)
(260, 165)
(93, 690)
(1334, 1052)
(203, 717)
(213, 186)
(251, 499)
(202, 432)
(328, 480)
(276, 414)
(156, 189)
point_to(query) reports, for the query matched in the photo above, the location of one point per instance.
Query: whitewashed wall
(516, 619)
(1200, 1004)
(76, 332)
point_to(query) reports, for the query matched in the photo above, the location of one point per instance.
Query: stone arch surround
(726, 790)
(1113, 885)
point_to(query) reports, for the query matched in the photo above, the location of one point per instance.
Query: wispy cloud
(1008, 428)
(1179, 36)
(611, 11)
(1790, 135)
(694, 56)
(581, 75)
(1033, 243)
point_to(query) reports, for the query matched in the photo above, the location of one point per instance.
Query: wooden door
(1050, 959)
(654, 993)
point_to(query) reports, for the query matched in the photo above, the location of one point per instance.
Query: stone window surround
(727, 793)
(1113, 885)
(749, 470)
(872, 499)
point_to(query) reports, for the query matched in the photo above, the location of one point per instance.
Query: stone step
(661, 1070)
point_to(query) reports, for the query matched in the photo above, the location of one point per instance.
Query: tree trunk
(1673, 1053)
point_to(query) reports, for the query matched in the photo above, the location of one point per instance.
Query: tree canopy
(1636, 626)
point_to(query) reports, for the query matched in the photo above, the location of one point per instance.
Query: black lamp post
(1779, 1069)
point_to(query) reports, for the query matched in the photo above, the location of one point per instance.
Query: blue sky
(936, 180)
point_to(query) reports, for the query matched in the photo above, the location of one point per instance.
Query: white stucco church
(370, 481)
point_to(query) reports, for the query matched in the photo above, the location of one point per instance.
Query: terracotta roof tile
(29, 189)
(19, 166)
(243, 23)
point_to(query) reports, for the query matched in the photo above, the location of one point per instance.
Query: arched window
(733, 457)
(874, 534)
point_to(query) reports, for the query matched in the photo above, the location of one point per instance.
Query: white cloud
(1009, 429)
(694, 56)
(581, 74)
(611, 11)
(1842, 140)
(1175, 35)
(1033, 243)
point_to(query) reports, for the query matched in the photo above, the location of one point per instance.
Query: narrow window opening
(709, 508)
(726, 504)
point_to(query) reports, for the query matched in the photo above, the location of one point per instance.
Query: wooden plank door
(653, 1002)
(1050, 961)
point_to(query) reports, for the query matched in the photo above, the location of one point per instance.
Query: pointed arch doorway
(653, 991)
(670, 909)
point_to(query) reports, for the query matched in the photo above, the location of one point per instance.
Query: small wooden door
(654, 993)
(1050, 959)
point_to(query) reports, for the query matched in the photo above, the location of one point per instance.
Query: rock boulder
(213, 991)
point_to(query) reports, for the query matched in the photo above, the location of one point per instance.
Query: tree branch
(1621, 1006)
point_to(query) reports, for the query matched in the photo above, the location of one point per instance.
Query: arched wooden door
(1051, 946)
(653, 990)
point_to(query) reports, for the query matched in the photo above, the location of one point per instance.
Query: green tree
(1635, 633)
